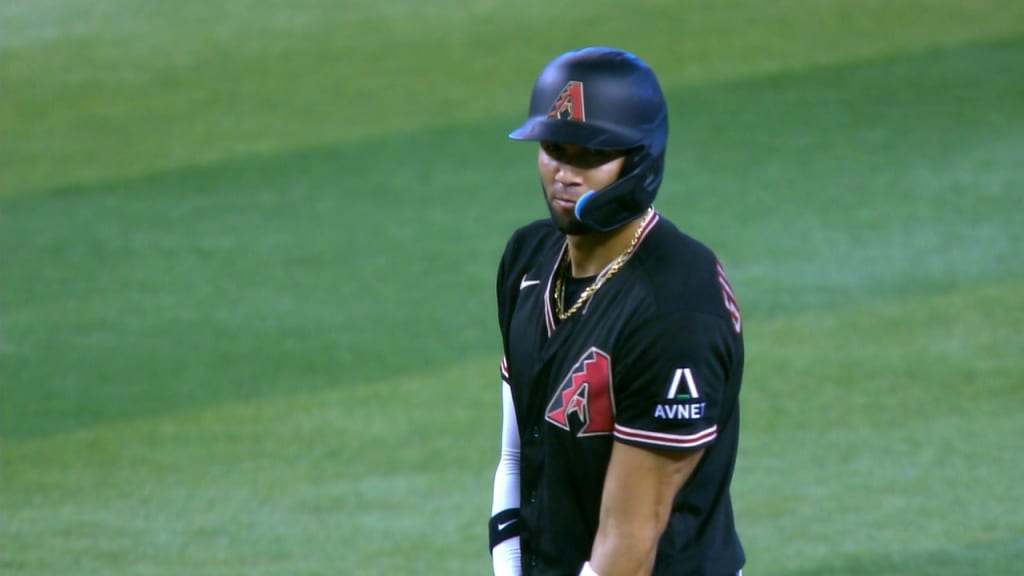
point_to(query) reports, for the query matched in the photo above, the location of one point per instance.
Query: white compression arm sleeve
(506, 555)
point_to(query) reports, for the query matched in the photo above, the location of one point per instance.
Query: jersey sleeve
(670, 380)
(505, 297)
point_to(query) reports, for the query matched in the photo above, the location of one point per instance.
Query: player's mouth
(563, 202)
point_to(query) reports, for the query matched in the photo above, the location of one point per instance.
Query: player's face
(567, 172)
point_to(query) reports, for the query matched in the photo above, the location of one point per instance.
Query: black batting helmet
(606, 99)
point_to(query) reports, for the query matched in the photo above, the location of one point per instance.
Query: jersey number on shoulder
(583, 400)
(730, 299)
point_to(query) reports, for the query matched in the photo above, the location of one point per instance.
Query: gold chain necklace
(601, 279)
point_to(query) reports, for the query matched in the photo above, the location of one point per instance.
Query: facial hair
(568, 225)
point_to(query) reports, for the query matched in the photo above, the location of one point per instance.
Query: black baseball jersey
(654, 359)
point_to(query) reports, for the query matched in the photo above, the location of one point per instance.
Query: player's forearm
(639, 488)
(627, 549)
(504, 523)
(506, 477)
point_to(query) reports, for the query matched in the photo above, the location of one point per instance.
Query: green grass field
(247, 256)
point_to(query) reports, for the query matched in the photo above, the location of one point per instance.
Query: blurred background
(248, 248)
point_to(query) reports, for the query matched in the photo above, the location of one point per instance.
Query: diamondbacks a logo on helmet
(583, 402)
(569, 104)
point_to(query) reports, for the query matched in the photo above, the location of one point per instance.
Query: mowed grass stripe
(385, 478)
(884, 431)
(856, 182)
(115, 88)
(332, 267)
(854, 459)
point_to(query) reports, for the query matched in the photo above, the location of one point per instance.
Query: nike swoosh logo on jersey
(503, 525)
(527, 283)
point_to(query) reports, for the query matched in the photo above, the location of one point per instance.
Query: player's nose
(568, 176)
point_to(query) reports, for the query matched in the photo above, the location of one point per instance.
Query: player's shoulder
(527, 246)
(683, 273)
(527, 241)
(671, 255)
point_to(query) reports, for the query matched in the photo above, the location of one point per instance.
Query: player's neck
(591, 253)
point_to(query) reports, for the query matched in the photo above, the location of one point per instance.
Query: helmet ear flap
(641, 160)
(635, 158)
(622, 200)
(652, 179)
(655, 171)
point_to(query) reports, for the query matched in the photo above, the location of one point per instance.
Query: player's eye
(578, 156)
(554, 150)
(590, 158)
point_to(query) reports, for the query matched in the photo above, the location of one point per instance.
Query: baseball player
(623, 349)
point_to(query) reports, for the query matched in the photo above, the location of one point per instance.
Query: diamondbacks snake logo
(583, 401)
